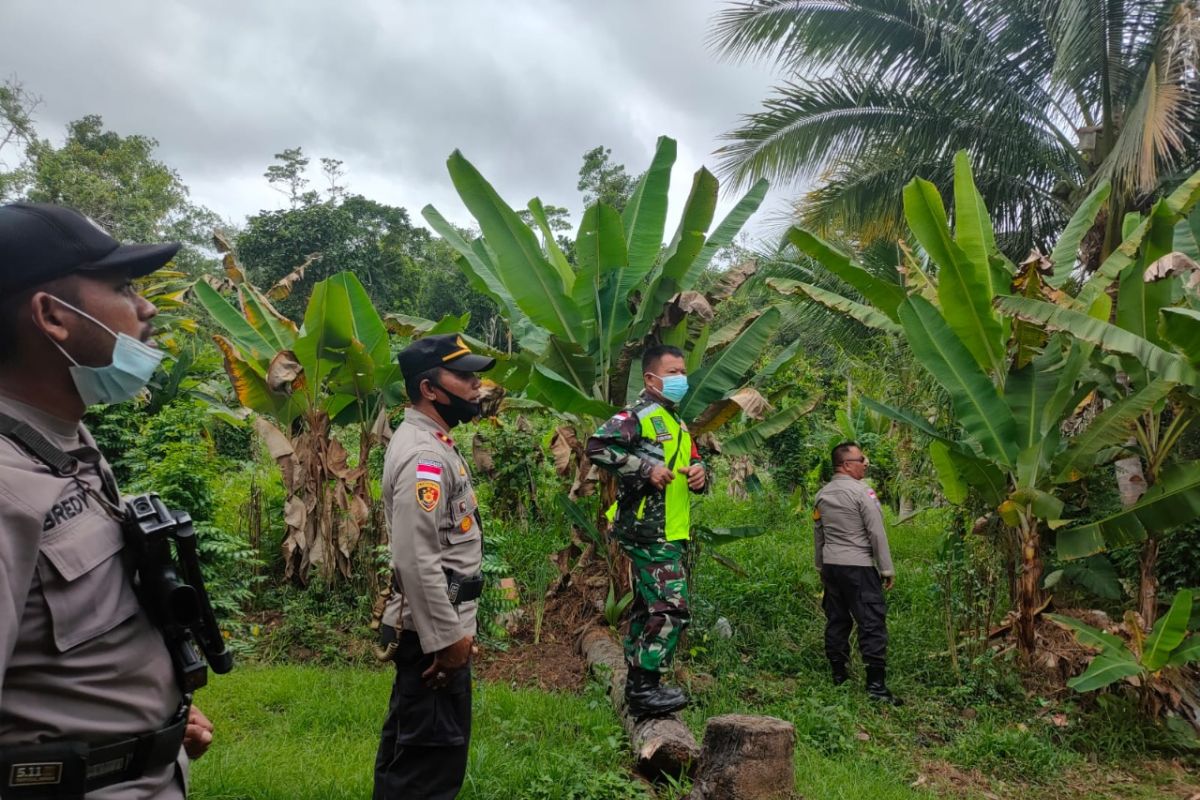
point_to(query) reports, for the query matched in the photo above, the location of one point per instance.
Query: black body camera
(171, 588)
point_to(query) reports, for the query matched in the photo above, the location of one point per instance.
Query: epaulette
(443, 438)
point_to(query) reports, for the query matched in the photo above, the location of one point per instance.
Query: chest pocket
(83, 578)
(463, 527)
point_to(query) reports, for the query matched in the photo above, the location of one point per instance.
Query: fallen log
(746, 758)
(663, 745)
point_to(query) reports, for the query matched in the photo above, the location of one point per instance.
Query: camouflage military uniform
(660, 612)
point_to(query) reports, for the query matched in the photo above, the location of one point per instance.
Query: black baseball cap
(41, 241)
(442, 350)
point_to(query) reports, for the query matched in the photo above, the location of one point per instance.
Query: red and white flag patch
(428, 470)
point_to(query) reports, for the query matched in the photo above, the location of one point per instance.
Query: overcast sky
(390, 87)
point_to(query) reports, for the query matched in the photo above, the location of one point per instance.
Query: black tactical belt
(69, 770)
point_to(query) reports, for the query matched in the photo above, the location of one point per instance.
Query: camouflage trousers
(660, 603)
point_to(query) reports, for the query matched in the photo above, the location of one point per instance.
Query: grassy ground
(307, 732)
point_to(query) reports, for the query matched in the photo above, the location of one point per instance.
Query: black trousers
(423, 747)
(854, 595)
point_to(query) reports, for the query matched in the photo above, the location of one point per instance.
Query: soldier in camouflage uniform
(648, 447)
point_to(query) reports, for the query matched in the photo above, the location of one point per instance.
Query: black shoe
(646, 698)
(877, 687)
(840, 674)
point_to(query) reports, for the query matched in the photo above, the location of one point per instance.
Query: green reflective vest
(658, 425)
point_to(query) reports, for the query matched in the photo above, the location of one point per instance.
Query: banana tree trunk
(1029, 585)
(1148, 582)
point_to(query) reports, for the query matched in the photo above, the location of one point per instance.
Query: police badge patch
(428, 494)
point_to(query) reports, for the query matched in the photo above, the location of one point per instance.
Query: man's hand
(888, 582)
(447, 660)
(660, 476)
(198, 735)
(696, 476)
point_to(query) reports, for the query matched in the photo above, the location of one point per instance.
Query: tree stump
(663, 745)
(746, 758)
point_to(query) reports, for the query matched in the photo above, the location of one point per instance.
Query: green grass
(308, 732)
(299, 733)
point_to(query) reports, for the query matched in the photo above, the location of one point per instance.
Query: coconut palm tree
(1049, 96)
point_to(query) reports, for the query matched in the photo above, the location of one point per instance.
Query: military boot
(839, 672)
(646, 698)
(877, 686)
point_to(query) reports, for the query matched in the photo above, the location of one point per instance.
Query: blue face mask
(133, 365)
(674, 387)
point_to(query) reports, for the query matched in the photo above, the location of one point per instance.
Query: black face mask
(458, 410)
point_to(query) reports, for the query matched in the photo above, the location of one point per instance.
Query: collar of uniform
(426, 423)
(646, 397)
(844, 476)
(62, 432)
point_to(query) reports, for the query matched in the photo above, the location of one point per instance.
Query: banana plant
(1152, 660)
(579, 327)
(1010, 385)
(1150, 341)
(303, 382)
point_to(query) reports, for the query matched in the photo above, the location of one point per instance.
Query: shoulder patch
(428, 469)
(816, 514)
(428, 494)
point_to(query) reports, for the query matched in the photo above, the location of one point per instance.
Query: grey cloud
(522, 88)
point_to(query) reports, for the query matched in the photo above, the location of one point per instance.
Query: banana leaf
(1160, 362)
(1089, 636)
(1181, 327)
(557, 393)
(1112, 427)
(600, 250)
(480, 272)
(867, 315)
(538, 212)
(1173, 501)
(279, 331)
(884, 295)
(954, 488)
(533, 282)
(1168, 632)
(1116, 263)
(725, 232)
(1185, 197)
(568, 360)
(645, 215)
(241, 333)
(980, 410)
(753, 439)
(1067, 248)
(721, 374)
(1105, 669)
(1139, 302)
(973, 231)
(964, 286)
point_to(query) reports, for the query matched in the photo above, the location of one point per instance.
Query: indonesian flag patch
(428, 470)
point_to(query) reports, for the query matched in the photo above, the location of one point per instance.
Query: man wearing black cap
(88, 698)
(437, 554)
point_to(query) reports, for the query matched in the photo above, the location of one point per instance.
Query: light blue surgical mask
(133, 365)
(674, 387)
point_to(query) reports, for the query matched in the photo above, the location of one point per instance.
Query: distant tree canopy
(114, 179)
(402, 267)
(602, 179)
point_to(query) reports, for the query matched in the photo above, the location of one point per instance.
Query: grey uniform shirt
(79, 658)
(429, 505)
(848, 526)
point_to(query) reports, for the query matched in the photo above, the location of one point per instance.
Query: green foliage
(114, 179)
(577, 328)
(614, 607)
(951, 82)
(1166, 645)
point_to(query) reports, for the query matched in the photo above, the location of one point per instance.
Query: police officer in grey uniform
(851, 552)
(437, 554)
(89, 702)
